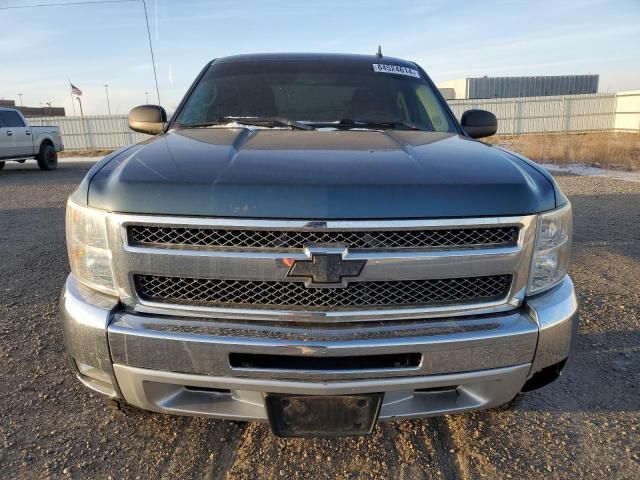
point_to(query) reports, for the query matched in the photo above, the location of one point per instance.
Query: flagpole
(80, 102)
(84, 132)
(73, 104)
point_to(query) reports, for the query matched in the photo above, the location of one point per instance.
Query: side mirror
(148, 119)
(479, 123)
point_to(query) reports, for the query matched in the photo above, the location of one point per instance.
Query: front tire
(1, 165)
(47, 157)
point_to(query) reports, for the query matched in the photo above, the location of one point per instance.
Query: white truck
(19, 141)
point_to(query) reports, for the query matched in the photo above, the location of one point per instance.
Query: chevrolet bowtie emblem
(326, 269)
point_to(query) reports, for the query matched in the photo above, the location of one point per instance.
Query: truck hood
(357, 174)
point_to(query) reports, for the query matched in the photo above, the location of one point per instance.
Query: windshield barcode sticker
(384, 68)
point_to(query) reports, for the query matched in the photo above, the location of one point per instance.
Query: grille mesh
(158, 236)
(292, 295)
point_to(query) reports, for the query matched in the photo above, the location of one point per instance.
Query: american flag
(75, 90)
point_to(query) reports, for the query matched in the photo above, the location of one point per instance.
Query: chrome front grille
(173, 236)
(242, 268)
(293, 295)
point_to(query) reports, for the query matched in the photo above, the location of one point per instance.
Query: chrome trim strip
(310, 225)
(367, 315)
(410, 264)
(380, 266)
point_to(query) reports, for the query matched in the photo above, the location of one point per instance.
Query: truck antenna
(379, 54)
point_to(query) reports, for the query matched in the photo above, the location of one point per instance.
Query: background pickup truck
(19, 140)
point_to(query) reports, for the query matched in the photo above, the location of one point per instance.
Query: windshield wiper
(347, 123)
(256, 121)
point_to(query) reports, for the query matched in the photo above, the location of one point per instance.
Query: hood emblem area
(326, 269)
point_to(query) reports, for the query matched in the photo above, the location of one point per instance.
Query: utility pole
(153, 61)
(106, 89)
(20, 95)
(49, 105)
(146, 94)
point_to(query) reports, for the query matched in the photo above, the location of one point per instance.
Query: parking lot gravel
(585, 425)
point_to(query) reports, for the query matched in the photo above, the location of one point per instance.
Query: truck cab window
(11, 119)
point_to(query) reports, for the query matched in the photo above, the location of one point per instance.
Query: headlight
(89, 254)
(552, 247)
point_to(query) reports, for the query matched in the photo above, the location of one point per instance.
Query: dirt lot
(586, 425)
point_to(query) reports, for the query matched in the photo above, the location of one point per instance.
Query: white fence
(566, 113)
(93, 132)
(569, 113)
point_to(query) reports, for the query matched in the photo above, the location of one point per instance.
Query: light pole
(49, 105)
(146, 94)
(84, 132)
(106, 89)
(20, 95)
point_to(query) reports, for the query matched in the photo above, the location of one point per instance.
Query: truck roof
(325, 57)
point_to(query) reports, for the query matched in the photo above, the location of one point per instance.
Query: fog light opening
(217, 391)
(447, 389)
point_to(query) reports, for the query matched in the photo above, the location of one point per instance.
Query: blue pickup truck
(316, 242)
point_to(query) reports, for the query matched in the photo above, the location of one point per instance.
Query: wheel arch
(45, 140)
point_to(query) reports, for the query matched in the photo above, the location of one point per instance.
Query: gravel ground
(586, 425)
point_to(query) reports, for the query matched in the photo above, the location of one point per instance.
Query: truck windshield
(317, 93)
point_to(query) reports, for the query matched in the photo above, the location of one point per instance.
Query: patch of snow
(587, 171)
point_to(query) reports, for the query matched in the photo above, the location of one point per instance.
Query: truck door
(19, 132)
(6, 139)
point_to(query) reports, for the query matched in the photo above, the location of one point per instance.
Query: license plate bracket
(323, 415)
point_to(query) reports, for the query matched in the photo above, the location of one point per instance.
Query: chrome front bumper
(181, 365)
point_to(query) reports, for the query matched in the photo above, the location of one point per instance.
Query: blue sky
(93, 45)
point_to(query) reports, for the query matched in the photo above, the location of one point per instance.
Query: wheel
(1, 165)
(47, 157)
(21, 161)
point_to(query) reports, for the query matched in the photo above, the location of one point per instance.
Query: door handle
(9, 132)
(27, 132)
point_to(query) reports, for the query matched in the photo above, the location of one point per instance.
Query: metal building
(514, 87)
(35, 111)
